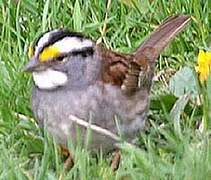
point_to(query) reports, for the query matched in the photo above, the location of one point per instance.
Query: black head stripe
(62, 33)
(59, 35)
(88, 51)
(56, 36)
(85, 52)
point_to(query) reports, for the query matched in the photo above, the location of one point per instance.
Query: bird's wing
(114, 67)
(135, 71)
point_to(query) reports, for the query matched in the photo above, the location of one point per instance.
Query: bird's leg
(69, 163)
(115, 160)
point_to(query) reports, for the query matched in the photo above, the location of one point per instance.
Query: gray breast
(104, 104)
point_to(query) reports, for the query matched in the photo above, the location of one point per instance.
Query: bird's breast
(102, 105)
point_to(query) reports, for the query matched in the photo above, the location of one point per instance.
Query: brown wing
(133, 72)
(115, 66)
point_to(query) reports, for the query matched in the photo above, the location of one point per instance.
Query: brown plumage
(124, 69)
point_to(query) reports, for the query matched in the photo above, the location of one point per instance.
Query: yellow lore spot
(30, 51)
(49, 53)
(204, 65)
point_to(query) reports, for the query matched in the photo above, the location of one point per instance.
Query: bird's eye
(60, 58)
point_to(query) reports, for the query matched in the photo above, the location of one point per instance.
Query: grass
(167, 150)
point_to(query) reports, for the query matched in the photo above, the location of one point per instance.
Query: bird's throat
(49, 79)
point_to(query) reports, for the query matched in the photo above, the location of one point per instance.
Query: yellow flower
(204, 65)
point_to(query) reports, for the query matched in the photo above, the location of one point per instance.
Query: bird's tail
(161, 37)
(141, 69)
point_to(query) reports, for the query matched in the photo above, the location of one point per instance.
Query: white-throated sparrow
(75, 76)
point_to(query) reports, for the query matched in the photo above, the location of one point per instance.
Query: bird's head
(59, 56)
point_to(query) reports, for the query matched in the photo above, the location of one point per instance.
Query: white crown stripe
(65, 45)
(70, 44)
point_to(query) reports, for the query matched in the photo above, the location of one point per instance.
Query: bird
(75, 77)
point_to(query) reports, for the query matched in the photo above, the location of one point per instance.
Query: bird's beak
(31, 65)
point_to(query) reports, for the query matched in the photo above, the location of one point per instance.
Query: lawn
(176, 141)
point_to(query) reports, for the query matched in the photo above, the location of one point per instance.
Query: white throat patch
(49, 79)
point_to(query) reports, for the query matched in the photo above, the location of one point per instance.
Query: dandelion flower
(204, 65)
